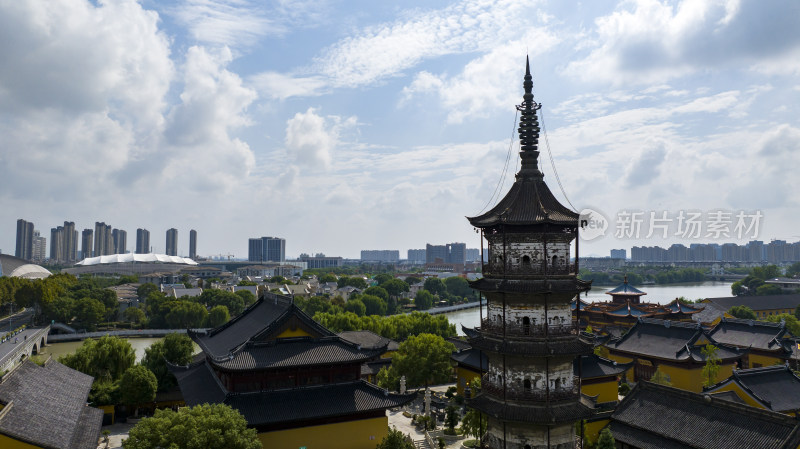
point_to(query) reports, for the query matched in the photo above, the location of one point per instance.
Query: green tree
(356, 306)
(207, 426)
(315, 304)
(423, 300)
(374, 305)
(793, 270)
(134, 315)
(458, 286)
(327, 278)
(248, 298)
(214, 297)
(411, 280)
(769, 289)
(380, 292)
(383, 278)
(606, 440)
(424, 359)
(434, 285)
(395, 440)
(711, 368)
(451, 417)
(660, 378)
(743, 312)
(474, 423)
(174, 348)
(217, 316)
(62, 309)
(145, 289)
(185, 315)
(737, 288)
(137, 386)
(791, 322)
(105, 359)
(395, 287)
(89, 312)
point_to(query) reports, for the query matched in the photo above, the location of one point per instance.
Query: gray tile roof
(655, 416)
(299, 352)
(472, 358)
(529, 201)
(769, 302)
(763, 335)
(198, 384)
(46, 406)
(593, 365)
(776, 387)
(671, 340)
(369, 340)
(534, 413)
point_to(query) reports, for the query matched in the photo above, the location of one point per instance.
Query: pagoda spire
(529, 129)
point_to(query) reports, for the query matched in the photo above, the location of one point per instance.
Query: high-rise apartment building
(455, 253)
(69, 243)
(435, 253)
(142, 241)
(39, 247)
(416, 256)
(192, 244)
(266, 249)
(172, 242)
(619, 254)
(24, 247)
(103, 241)
(57, 244)
(86, 243)
(120, 241)
(380, 255)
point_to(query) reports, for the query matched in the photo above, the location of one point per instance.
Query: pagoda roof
(678, 307)
(625, 289)
(542, 286)
(777, 387)
(763, 335)
(655, 416)
(529, 201)
(671, 340)
(472, 358)
(45, 406)
(285, 406)
(592, 366)
(298, 352)
(534, 413)
(258, 322)
(369, 340)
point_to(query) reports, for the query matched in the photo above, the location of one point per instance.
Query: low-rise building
(767, 343)
(775, 388)
(763, 306)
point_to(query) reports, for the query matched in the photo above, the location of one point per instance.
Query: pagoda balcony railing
(517, 393)
(530, 270)
(529, 330)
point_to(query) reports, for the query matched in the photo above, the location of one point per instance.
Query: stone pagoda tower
(529, 393)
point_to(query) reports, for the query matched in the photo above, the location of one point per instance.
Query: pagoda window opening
(527, 446)
(526, 262)
(526, 384)
(558, 383)
(526, 325)
(555, 261)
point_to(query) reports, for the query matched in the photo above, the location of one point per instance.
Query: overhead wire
(552, 161)
(501, 181)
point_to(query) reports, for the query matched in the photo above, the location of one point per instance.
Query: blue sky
(343, 126)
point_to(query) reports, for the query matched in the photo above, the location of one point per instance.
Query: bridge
(20, 346)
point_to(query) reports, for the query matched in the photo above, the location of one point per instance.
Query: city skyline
(380, 129)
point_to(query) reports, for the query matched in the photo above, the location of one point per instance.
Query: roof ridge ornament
(529, 129)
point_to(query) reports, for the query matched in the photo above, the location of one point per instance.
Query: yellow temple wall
(622, 359)
(288, 333)
(360, 434)
(605, 391)
(463, 377)
(756, 360)
(7, 442)
(739, 392)
(591, 431)
(691, 379)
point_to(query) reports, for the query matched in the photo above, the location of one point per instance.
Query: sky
(350, 125)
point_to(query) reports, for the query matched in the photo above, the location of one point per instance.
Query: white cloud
(311, 138)
(225, 22)
(647, 41)
(282, 86)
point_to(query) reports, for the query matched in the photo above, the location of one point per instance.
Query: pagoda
(529, 393)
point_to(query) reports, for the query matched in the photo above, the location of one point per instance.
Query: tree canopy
(106, 358)
(396, 327)
(137, 386)
(434, 285)
(207, 426)
(424, 359)
(395, 287)
(217, 316)
(395, 440)
(606, 440)
(423, 300)
(373, 304)
(743, 312)
(711, 368)
(174, 348)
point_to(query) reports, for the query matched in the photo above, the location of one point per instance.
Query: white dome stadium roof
(30, 271)
(135, 258)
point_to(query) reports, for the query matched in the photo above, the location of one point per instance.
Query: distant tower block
(193, 244)
(529, 393)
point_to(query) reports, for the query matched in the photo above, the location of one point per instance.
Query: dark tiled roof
(528, 202)
(459, 343)
(517, 412)
(302, 351)
(472, 358)
(596, 366)
(727, 395)
(671, 340)
(313, 402)
(553, 346)
(374, 367)
(198, 384)
(776, 387)
(266, 315)
(711, 312)
(762, 335)
(625, 289)
(369, 340)
(669, 417)
(540, 286)
(770, 302)
(46, 406)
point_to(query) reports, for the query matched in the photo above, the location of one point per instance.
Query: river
(660, 294)
(139, 344)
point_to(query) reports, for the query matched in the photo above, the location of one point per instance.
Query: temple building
(625, 309)
(297, 383)
(775, 388)
(530, 394)
(676, 349)
(768, 343)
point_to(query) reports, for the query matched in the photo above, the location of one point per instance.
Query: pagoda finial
(529, 128)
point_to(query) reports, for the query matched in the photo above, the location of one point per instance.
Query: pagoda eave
(539, 286)
(548, 347)
(546, 414)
